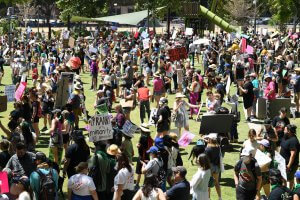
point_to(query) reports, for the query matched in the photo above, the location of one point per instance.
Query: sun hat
(280, 57)
(297, 69)
(264, 142)
(113, 150)
(247, 151)
(145, 128)
(163, 100)
(212, 66)
(179, 95)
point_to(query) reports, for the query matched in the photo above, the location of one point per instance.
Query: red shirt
(143, 94)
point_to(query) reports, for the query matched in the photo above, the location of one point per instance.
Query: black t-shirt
(240, 72)
(250, 94)
(76, 154)
(279, 124)
(4, 158)
(280, 193)
(180, 191)
(287, 145)
(166, 114)
(213, 153)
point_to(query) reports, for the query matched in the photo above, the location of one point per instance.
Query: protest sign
(62, 92)
(19, 92)
(243, 45)
(228, 85)
(174, 35)
(265, 31)
(65, 43)
(177, 53)
(146, 43)
(71, 42)
(186, 139)
(262, 159)
(249, 50)
(189, 31)
(4, 187)
(129, 128)
(179, 76)
(152, 114)
(92, 49)
(100, 128)
(10, 92)
(144, 34)
(3, 103)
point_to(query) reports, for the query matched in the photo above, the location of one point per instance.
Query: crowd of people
(127, 76)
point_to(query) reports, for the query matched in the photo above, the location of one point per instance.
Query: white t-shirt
(81, 184)
(24, 196)
(125, 178)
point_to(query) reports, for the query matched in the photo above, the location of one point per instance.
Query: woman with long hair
(200, 180)
(56, 140)
(124, 180)
(213, 152)
(150, 190)
(80, 185)
(251, 141)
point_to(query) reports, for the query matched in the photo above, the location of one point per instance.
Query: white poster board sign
(189, 31)
(100, 128)
(262, 159)
(152, 114)
(129, 127)
(144, 34)
(174, 35)
(10, 92)
(146, 43)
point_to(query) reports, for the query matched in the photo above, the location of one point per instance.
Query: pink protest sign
(4, 188)
(249, 50)
(186, 139)
(19, 92)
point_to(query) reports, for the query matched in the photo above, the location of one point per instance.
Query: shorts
(215, 169)
(158, 93)
(291, 173)
(265, 178)
(66, 138)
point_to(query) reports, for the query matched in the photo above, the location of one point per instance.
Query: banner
(129, 128)
(186, 139)
(19, 92)
(10, 92)
(100, 128)
(177, 53)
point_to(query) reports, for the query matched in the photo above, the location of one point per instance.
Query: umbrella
(74, 62)
(201, 41)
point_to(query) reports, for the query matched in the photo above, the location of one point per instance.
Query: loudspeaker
(216, 123)
(261, 108)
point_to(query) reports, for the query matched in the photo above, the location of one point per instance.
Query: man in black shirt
(279, 191)
(4, 155)
(290, 152)
(280, 122)
(248, 95)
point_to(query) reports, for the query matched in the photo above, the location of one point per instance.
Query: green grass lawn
(227, 183)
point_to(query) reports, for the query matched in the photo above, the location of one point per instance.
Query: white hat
(212, 136)
(247, 151)
(179, 95)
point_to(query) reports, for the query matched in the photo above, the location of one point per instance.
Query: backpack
(95, 172)
(161, 174)
(47, 186)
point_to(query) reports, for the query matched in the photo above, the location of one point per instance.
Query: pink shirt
(158, 85)
(271, 86)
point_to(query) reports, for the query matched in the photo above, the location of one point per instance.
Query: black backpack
(161, 174)
(95, 172)
(47, 186)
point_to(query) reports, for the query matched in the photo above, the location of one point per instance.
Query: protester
(56, 138)
(150, 190)
(4, 155)
(21, 188)
(279, 191)
(248, 95)
(163, 117)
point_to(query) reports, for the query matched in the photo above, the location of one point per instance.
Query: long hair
(203, 161)
(123, 162)
(150, 183)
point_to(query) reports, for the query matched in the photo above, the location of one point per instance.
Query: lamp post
(255, 9)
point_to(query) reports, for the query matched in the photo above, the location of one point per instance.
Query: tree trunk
(69, 22)
(49, 28)
(168, 22)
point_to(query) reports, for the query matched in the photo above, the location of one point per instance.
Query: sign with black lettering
(100, 128)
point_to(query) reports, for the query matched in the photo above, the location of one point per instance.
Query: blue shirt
(35, 180)
(180, 191)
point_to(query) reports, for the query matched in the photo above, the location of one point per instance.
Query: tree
(25, 8)
(46, 7)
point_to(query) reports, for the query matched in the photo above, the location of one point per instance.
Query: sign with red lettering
(177, 53)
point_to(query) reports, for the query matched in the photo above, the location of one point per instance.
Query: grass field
(227, 183)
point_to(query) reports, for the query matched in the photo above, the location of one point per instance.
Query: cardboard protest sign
(71, 42)
(62, 92)
(262, 159)
(4, 187)
(3, 103)
(186, 139)
(19, 92)
(281, 164)
(65, 43)
(129, 128)
(126, 103)
(146, 43)
(100, 128)
(177, 53)
(10, 92)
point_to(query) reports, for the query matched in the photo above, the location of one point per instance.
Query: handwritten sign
(177, 53)
(10, 92)
(71, 42)
(100, 128)
(146, 43)
(19, 92)
(129, 128)
(189, 31)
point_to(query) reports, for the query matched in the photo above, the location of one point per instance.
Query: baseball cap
(180, 169)
(153, 149)
(264, 142)
(297, 174)
(247, 151)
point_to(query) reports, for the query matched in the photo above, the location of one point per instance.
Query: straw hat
(145, 128)
(113, 150)
(179, 95)
(173, 136)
